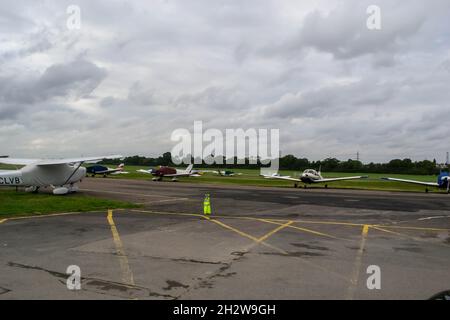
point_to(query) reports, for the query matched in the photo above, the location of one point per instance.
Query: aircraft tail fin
(189, 168)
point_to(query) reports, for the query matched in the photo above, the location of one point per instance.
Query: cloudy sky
(137, 70)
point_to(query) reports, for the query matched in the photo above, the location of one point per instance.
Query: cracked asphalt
(260, 243)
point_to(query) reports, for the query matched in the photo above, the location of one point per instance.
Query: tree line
(290, 162)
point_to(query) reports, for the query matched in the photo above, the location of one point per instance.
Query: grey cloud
(76, 79)
(343, 32)
(331, 100)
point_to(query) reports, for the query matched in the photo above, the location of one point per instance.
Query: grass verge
(15, 204)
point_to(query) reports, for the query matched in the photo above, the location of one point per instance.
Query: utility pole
(357, 156)
(447, 159)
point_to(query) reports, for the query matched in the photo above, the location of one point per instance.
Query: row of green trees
(290, 162)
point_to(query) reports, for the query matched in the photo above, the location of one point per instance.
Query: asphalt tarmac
(259, 243)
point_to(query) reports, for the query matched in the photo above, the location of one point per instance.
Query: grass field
(251, 177)
(14, 204)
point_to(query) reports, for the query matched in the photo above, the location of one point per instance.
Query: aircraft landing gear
(426, 190)
(104, 176)
(326, 186)
(32, 189)
(295, 185)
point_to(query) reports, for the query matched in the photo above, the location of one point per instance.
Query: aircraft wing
(182, 174)
(144, 171)
(49, 162)
(108, 171)
(339, 179)
(117, 172)
(431, 184)
(275, 176)
(19, 162)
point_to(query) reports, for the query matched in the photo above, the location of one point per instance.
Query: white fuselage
(11, 178)
(42, 176)
(310, 175)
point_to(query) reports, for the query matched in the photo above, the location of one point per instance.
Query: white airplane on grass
(59, 174)
(224, 173)
(443, 182)
(310, 176)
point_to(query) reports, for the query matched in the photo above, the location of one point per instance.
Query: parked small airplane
(102, 170)
(59, 174)
(225, 173)
(169, 172)
(443, 182)
(310, 176)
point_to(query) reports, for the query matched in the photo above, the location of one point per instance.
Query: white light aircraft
(60, 174)
(310, 176)
(443, 182)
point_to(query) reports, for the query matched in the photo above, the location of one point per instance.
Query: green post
(207, 205)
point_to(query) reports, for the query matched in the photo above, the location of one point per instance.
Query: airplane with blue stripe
(443, 182)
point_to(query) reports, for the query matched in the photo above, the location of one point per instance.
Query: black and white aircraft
(310, 176)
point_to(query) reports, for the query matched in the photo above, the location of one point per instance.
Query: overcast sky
(137, 70)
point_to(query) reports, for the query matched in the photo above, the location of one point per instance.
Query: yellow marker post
(207, 205)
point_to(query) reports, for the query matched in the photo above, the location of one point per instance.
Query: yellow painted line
(296, 221)
(410, 228)
(365, 230)
(252, 218)
(243, 234)
(273, 221)
(269, 234)
(50, 215)
(357, 265)
(303, 229)
(409, 237)
(165, 213)
(3, 220)
(127, 274)
(332, 223)
(246, 235)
